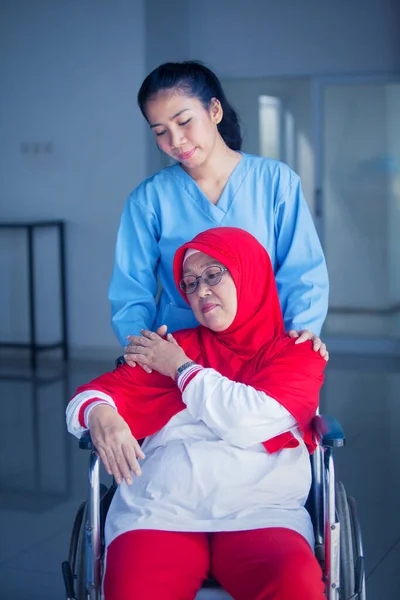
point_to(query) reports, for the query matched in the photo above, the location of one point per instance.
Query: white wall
(167, 40)
(260, 38)
(69, 75)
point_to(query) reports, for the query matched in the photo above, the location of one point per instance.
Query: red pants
(263, 564)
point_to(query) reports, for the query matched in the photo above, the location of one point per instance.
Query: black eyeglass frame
(196, 279)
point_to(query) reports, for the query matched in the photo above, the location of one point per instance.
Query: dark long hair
(195, 80)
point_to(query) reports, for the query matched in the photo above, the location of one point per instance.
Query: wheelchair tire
(73, 545)
(80, 564)
(359, 551)
(347, 548)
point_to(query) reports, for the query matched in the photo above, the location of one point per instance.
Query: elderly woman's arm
(242, 414)
(281, 396)
(238, 413)
(114, 442)
(79, 408)
(95, 407)
(235, 412)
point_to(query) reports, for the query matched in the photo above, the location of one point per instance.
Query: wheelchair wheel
(359, 564)
(348, 547)
(80, 564)
(347, 579)
(74, 570)
(73, 546)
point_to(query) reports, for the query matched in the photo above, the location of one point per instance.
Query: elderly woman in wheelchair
(219, 485)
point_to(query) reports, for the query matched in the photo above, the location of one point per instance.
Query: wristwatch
(182, 368)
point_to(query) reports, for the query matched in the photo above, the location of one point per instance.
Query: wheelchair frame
(340, 553)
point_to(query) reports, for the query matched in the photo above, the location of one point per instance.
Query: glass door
(357, 172)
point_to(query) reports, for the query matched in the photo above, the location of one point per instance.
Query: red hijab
(254, 349)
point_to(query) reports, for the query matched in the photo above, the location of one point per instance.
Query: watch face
(184, 367)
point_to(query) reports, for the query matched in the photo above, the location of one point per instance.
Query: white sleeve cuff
(74, 406)
(89, 408)
(187, 375)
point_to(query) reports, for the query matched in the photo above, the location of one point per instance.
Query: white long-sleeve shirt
(207, 470)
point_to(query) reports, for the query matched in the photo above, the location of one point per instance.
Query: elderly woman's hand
(154, 352)
(129, 349)
(305, 335)
(117, 447)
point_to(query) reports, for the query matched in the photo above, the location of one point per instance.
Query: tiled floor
(43, 474)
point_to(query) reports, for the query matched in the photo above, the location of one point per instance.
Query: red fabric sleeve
(293, 378)
(147, 401)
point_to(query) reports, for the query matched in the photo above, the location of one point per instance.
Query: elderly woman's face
(214, 306)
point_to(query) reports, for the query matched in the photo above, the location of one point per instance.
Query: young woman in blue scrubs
(211, 184)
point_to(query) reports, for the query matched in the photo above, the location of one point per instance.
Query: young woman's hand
(117, 447)
(303, 336)
(161, 331)
(152, 351)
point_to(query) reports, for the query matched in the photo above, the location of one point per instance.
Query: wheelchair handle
(328, 431)
(85, 442)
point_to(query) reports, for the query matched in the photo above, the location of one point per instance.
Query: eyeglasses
(211, 276)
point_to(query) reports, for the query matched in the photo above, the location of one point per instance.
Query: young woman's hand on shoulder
(305, 335)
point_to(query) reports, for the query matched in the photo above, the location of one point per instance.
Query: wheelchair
(338, 540)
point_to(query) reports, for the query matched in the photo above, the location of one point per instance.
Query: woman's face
(214, 306)
(183, 128)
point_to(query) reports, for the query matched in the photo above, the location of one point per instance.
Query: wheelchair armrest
(85, 442)
(329, 431)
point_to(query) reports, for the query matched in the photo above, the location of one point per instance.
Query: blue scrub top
(262, 196)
